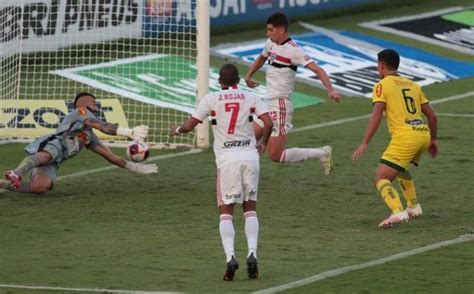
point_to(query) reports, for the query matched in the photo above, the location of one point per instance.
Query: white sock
(226, 229)
(300, 154)
(251, 231)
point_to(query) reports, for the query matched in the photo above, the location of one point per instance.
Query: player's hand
(433, 149)
(137, 133)
(261, 148)
(173, 131)
(359, 151)
(140, 132)
(141, 168)
(334, 96)
(251, 83)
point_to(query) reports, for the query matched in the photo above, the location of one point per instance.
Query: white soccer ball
(138, 151)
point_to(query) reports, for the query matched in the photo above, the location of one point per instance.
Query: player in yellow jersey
(403, 102)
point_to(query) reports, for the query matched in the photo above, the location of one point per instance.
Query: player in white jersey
(231, 111)
(73, 134)
(284, 56)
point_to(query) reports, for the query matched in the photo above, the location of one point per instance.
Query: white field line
(355, 118)
(456, 114)
(95, 290)
(343, 270)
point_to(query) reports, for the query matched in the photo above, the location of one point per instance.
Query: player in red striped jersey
(284, 56)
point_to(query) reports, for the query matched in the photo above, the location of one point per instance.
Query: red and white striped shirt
(284, 60)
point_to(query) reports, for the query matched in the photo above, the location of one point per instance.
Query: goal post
(145, 60)
(203, 48)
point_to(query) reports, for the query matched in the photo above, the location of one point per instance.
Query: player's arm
(137, 133)
(254, 67)
(374, 123)
(322, 75)
(267, 130)
(186, 127)
(107, 154)
(433, 124)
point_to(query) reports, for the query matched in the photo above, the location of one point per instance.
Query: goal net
(138, 57)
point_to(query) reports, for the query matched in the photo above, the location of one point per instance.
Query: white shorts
(237, 181)
(281, 112)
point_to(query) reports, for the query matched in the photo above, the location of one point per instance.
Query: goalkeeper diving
(74, 133)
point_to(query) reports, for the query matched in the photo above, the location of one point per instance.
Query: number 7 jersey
(231, 112)
(403, 99)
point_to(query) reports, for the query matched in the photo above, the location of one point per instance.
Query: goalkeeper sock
(300, 154)
(27, 165)
(251, 231)
(407, 184)
(226, 230)
(25, 187)
(389, 195)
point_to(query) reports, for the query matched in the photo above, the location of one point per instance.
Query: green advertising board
(163, 80)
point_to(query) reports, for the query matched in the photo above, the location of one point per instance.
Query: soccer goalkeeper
(73, 134)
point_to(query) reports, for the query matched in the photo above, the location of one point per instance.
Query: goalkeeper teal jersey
(71, 136)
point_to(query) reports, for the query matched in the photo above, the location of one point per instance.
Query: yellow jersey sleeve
(378, 94)
(423, 98)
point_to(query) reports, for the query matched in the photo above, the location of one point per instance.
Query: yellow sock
(389, 195)
(408, 188)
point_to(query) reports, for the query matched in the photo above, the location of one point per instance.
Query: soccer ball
(138, 151)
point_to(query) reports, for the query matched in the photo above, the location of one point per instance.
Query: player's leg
(251, 232)
(407, 185)
(28, 163)
(227, 233)
(226, 229)
(228, 193)
(276, 147)
(384, 177)
(394, 161)
(42, 179)
(419, 143)
(250, 177)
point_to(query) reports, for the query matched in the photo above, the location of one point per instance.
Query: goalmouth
(146, 62)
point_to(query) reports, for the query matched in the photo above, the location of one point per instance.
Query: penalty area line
(343, 270)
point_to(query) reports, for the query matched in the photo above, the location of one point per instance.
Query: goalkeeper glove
(141, 168)
(137, 133)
